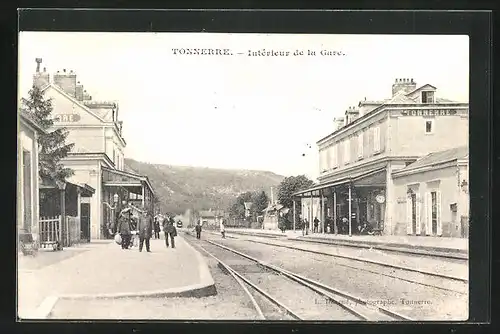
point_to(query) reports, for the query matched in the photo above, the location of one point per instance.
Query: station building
(366, 162)
(98, 154)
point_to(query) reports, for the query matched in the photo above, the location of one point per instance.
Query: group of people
(143, 228)
(198, 229)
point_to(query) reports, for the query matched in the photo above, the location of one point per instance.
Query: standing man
(157, 227)
(145, 228)
(316, 224)
(222, 229)
(124, 228)
(198, 230)
(169, 230)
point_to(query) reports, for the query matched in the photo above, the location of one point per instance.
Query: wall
(27, 140)
(113, 143)
(445, 180)
(408, 137)
(65, 105)
(366, 128)
(86, 140)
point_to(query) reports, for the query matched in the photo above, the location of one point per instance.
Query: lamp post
(116, 199)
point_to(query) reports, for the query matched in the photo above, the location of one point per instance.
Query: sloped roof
(421, 87)
(28, 118)
(440, 157)
(401, 98)
(72, 99)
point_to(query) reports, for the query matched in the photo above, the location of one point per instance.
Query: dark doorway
(85, 221)
(434, 213)
(413, 214)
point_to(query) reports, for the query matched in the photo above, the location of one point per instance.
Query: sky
(240, 111)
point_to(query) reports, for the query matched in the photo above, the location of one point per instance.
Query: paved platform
(422, 244)
(107, 271)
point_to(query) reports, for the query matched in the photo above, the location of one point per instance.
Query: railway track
(413, 275)
(390, 249)
(292, 296)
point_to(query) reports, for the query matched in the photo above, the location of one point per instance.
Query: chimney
(405, 85)
(351, 115)
(338, 123)
(79, 91)
(272, 196)
(66, 81)
(86, 96)
(40, 79)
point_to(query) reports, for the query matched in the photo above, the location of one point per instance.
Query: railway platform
(425, 245)
(105, 271)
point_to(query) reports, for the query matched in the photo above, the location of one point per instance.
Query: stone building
(375, 139)
(432, 195)
(98, 155)
(27, 174)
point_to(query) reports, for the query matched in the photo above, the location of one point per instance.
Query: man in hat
(124, 228)
(170, 231)
(145, 228)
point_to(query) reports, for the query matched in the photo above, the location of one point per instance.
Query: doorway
(413, 214)
(85, 221)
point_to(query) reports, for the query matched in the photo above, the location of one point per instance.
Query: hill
(198, 188)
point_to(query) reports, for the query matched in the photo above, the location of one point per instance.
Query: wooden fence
(51, 231)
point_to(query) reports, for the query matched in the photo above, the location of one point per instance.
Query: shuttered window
(347, 150)
(335, 156)
(360, 145)
(376, 139)
(418, 206)
(433, 224)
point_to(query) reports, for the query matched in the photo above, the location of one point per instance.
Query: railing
(50, 232)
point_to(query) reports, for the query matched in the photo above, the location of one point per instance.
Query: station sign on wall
(67, 118)
(429, 112)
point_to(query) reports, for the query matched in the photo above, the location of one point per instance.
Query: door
(413, 213)
(85, 221)
(434, 213)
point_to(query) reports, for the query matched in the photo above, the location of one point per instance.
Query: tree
(290, 185)
(52, 145)
(261, 201)
(237, 209)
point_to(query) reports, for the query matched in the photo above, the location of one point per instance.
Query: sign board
(67, 118)
(429, 112)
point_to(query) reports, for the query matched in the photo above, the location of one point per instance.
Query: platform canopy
(370, 178)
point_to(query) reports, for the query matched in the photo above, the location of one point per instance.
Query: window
(347, 150)
(327, 163)
(433, 223)
(427, 97)
(413, 212)
(335, 157)
(360, 145)
(376, 139)
(322, 165)
(429, 126)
